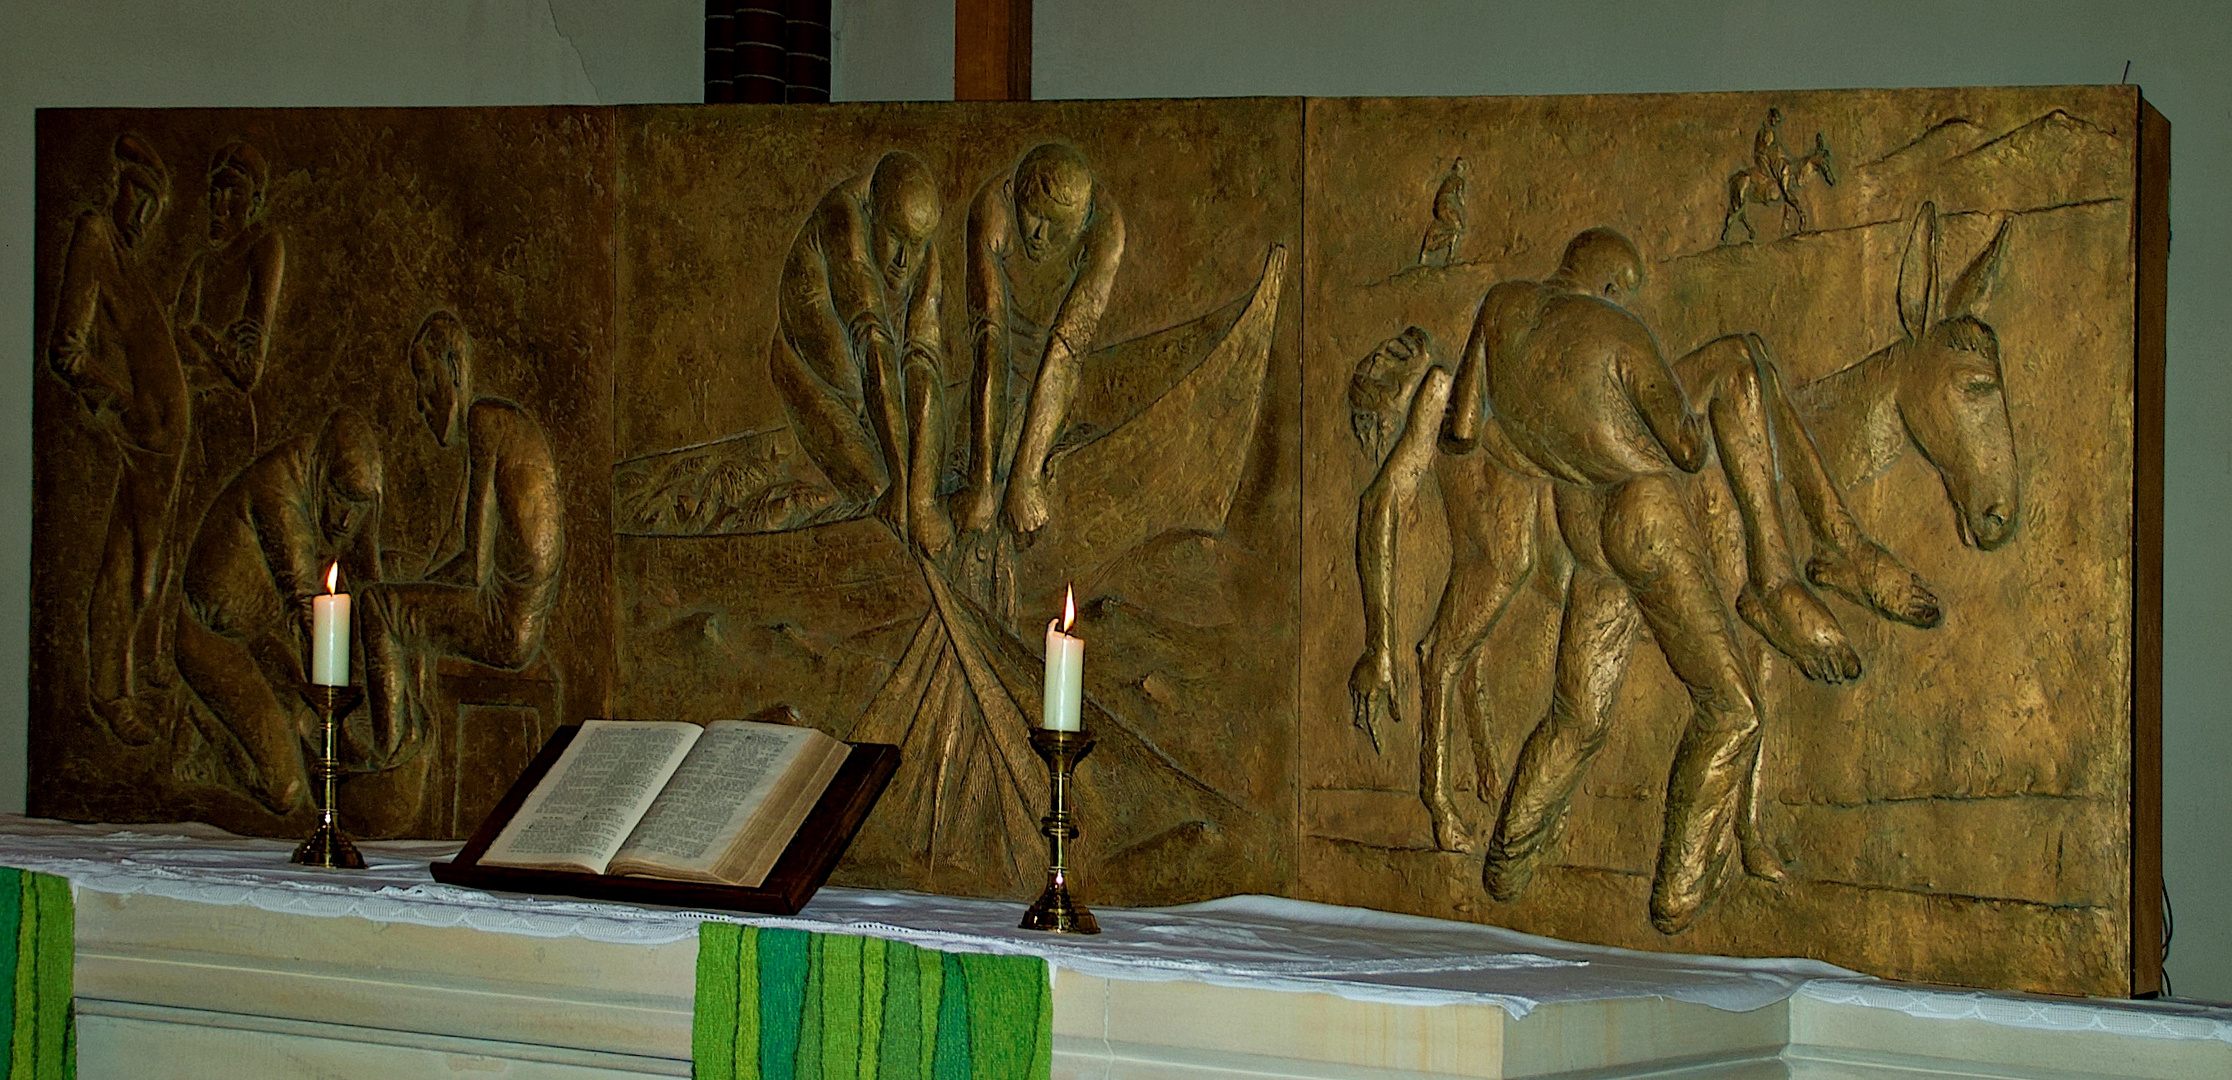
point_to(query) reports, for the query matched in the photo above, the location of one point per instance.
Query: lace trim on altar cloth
(1257, 942)
(206, 866)
(2143, 1019)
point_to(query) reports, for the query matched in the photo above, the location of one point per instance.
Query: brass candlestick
(1056, 910)
(328, 846)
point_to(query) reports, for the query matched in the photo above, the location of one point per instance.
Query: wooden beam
(991, 50)
(2149, 408)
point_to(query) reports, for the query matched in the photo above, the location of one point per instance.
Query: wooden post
(2149, 406)
(991, 50)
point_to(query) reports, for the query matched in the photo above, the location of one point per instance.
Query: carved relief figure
(1044, 244)
(1398, 399)
(491, 602)
(260, 556)
(1774, 179)
(1605, 474)
(112, 344)
(960, 698)
(1769, 159)
(1044, 241)
(1447, 232)
(1938, 389)
(858, 360)
(229, 301)
(1586, 397)
(1494, 499)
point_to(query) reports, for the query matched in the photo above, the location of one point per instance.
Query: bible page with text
(739, 771)
(600, 787)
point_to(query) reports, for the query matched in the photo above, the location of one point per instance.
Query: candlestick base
(330, 848)
(327, 846)
(1056, 910)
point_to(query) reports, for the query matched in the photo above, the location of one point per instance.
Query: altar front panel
(218, 987)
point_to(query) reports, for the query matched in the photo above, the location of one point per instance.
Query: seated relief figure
(859, 357)
(491, 602)
(260, 556)
(230, 297)
(1044, 243)
(1588, 414)
(111, 344)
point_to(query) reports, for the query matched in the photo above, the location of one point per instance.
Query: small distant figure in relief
(1774, 179)
(1447, 232)
(1769, 159)
(260, 556)
(491, 602)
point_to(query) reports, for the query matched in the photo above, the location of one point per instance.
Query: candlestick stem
(327, 846)
(1056, 910)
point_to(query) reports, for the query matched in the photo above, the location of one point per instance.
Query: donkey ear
(1974, 287)
(1918, 273)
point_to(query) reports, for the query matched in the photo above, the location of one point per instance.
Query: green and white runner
(793, 1005)
(38, 934)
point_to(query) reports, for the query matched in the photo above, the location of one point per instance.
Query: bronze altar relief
(1899, 696)
(227, 307)
(886, 396)
(1714, 523)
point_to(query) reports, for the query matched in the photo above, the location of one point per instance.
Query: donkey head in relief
(1938, 390)
(1951, 393)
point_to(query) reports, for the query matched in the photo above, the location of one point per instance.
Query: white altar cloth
(1244, 941)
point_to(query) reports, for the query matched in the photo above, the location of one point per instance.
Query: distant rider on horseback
(1770, 160)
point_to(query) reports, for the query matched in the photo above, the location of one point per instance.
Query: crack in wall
(581, 63)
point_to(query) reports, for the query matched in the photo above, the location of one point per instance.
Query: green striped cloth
(793, 1005)
(38, 938)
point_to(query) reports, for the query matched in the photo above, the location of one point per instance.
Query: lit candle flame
(1069, 608)
(333, 578)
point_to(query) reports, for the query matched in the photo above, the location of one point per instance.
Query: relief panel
(1718, 513)
(892, 381)
(272, 342)
(1708, 523)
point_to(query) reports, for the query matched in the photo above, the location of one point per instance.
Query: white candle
(329, 634)
(1065, 672)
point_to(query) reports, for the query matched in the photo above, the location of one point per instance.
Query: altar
(203, 954)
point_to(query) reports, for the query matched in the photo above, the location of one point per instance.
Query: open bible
(671, 800)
